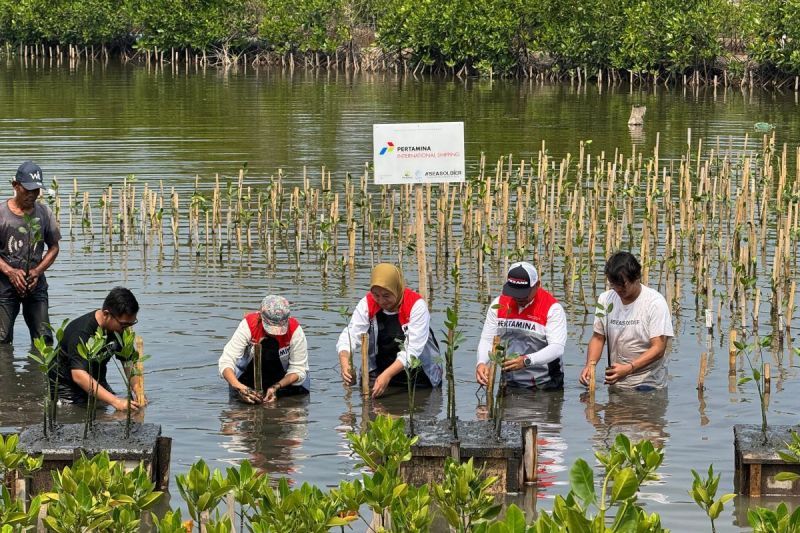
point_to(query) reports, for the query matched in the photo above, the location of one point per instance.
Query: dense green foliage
(99, 495)
(497, 36)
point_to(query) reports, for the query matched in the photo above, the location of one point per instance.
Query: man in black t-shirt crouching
(76, 376)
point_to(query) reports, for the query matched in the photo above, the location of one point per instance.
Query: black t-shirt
(80, 330)
(15, 245)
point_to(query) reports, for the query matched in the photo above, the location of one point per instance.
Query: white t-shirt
(630, 328)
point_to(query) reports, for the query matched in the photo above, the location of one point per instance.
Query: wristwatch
(526, 360)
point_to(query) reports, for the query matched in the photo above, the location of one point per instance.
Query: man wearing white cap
(26, 227)
(284, 354)
(532, 326)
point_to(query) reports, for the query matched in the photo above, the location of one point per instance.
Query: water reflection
(23, 388)
(637, 414)
(544, 410)
(270, 435)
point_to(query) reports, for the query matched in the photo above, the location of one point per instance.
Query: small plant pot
(512, 457)
(62, 446)
(756, 463)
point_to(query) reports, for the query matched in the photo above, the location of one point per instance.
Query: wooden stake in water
(492, 375)
(422, 263)
(701, 376)
(767, 379)
(732, 353)
(137, 380)
(365, 365)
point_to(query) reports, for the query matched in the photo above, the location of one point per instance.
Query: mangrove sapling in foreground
(98, 494)
(615, 507)
(704, 492)
(463, 497)
(202, 491)
(13, 514)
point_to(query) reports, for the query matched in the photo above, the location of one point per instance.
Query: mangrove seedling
(384, 443)
(764, 520)
(94, 351)
(452, 339)
(245, 483)
(413, 366)
(130, 358)
(46, 358)
(33, 229)
(626, 467)
(704, 492)
(305, 509)
(202, 490)
(463, 497)
(97, 494)
(756, 374)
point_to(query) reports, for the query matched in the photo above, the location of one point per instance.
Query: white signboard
(431, 152)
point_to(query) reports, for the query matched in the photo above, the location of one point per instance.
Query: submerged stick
(365, 364)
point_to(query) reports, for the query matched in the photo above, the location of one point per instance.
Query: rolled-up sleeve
(298, 355)
(350, 338)
(488, 333)
(235, 348)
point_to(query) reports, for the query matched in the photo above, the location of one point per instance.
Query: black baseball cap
(29, 175)
(521, 277)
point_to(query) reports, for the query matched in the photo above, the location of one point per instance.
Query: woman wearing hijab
(398, 323)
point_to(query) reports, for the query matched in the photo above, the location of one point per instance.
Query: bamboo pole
(422, 261)
(701, 376)
(137, 380)
(365, 365)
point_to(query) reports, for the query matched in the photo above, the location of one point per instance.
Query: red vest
(257, 330)
(535, 312)
(404, 313)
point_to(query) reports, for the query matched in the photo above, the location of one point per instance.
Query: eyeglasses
(125, 324)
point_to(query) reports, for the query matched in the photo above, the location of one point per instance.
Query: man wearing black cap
(26, 226)
(532, 327)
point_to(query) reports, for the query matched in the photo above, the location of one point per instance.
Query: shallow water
(99, 124)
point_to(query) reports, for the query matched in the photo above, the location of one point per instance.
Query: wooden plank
(163, 455)
(755, 480)
(529, 435)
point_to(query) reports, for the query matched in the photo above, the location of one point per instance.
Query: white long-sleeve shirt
(555, 333)
(236, 350)
(419, 326)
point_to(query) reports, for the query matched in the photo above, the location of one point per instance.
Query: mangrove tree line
(646, 37)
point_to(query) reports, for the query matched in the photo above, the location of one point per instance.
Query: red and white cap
(521, 278)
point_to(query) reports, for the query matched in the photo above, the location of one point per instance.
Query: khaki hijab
(389, 277)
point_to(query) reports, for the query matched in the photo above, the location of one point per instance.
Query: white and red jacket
(415, 320)
(292, 349)
(538, 331)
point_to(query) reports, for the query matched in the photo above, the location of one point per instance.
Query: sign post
(415, 154)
